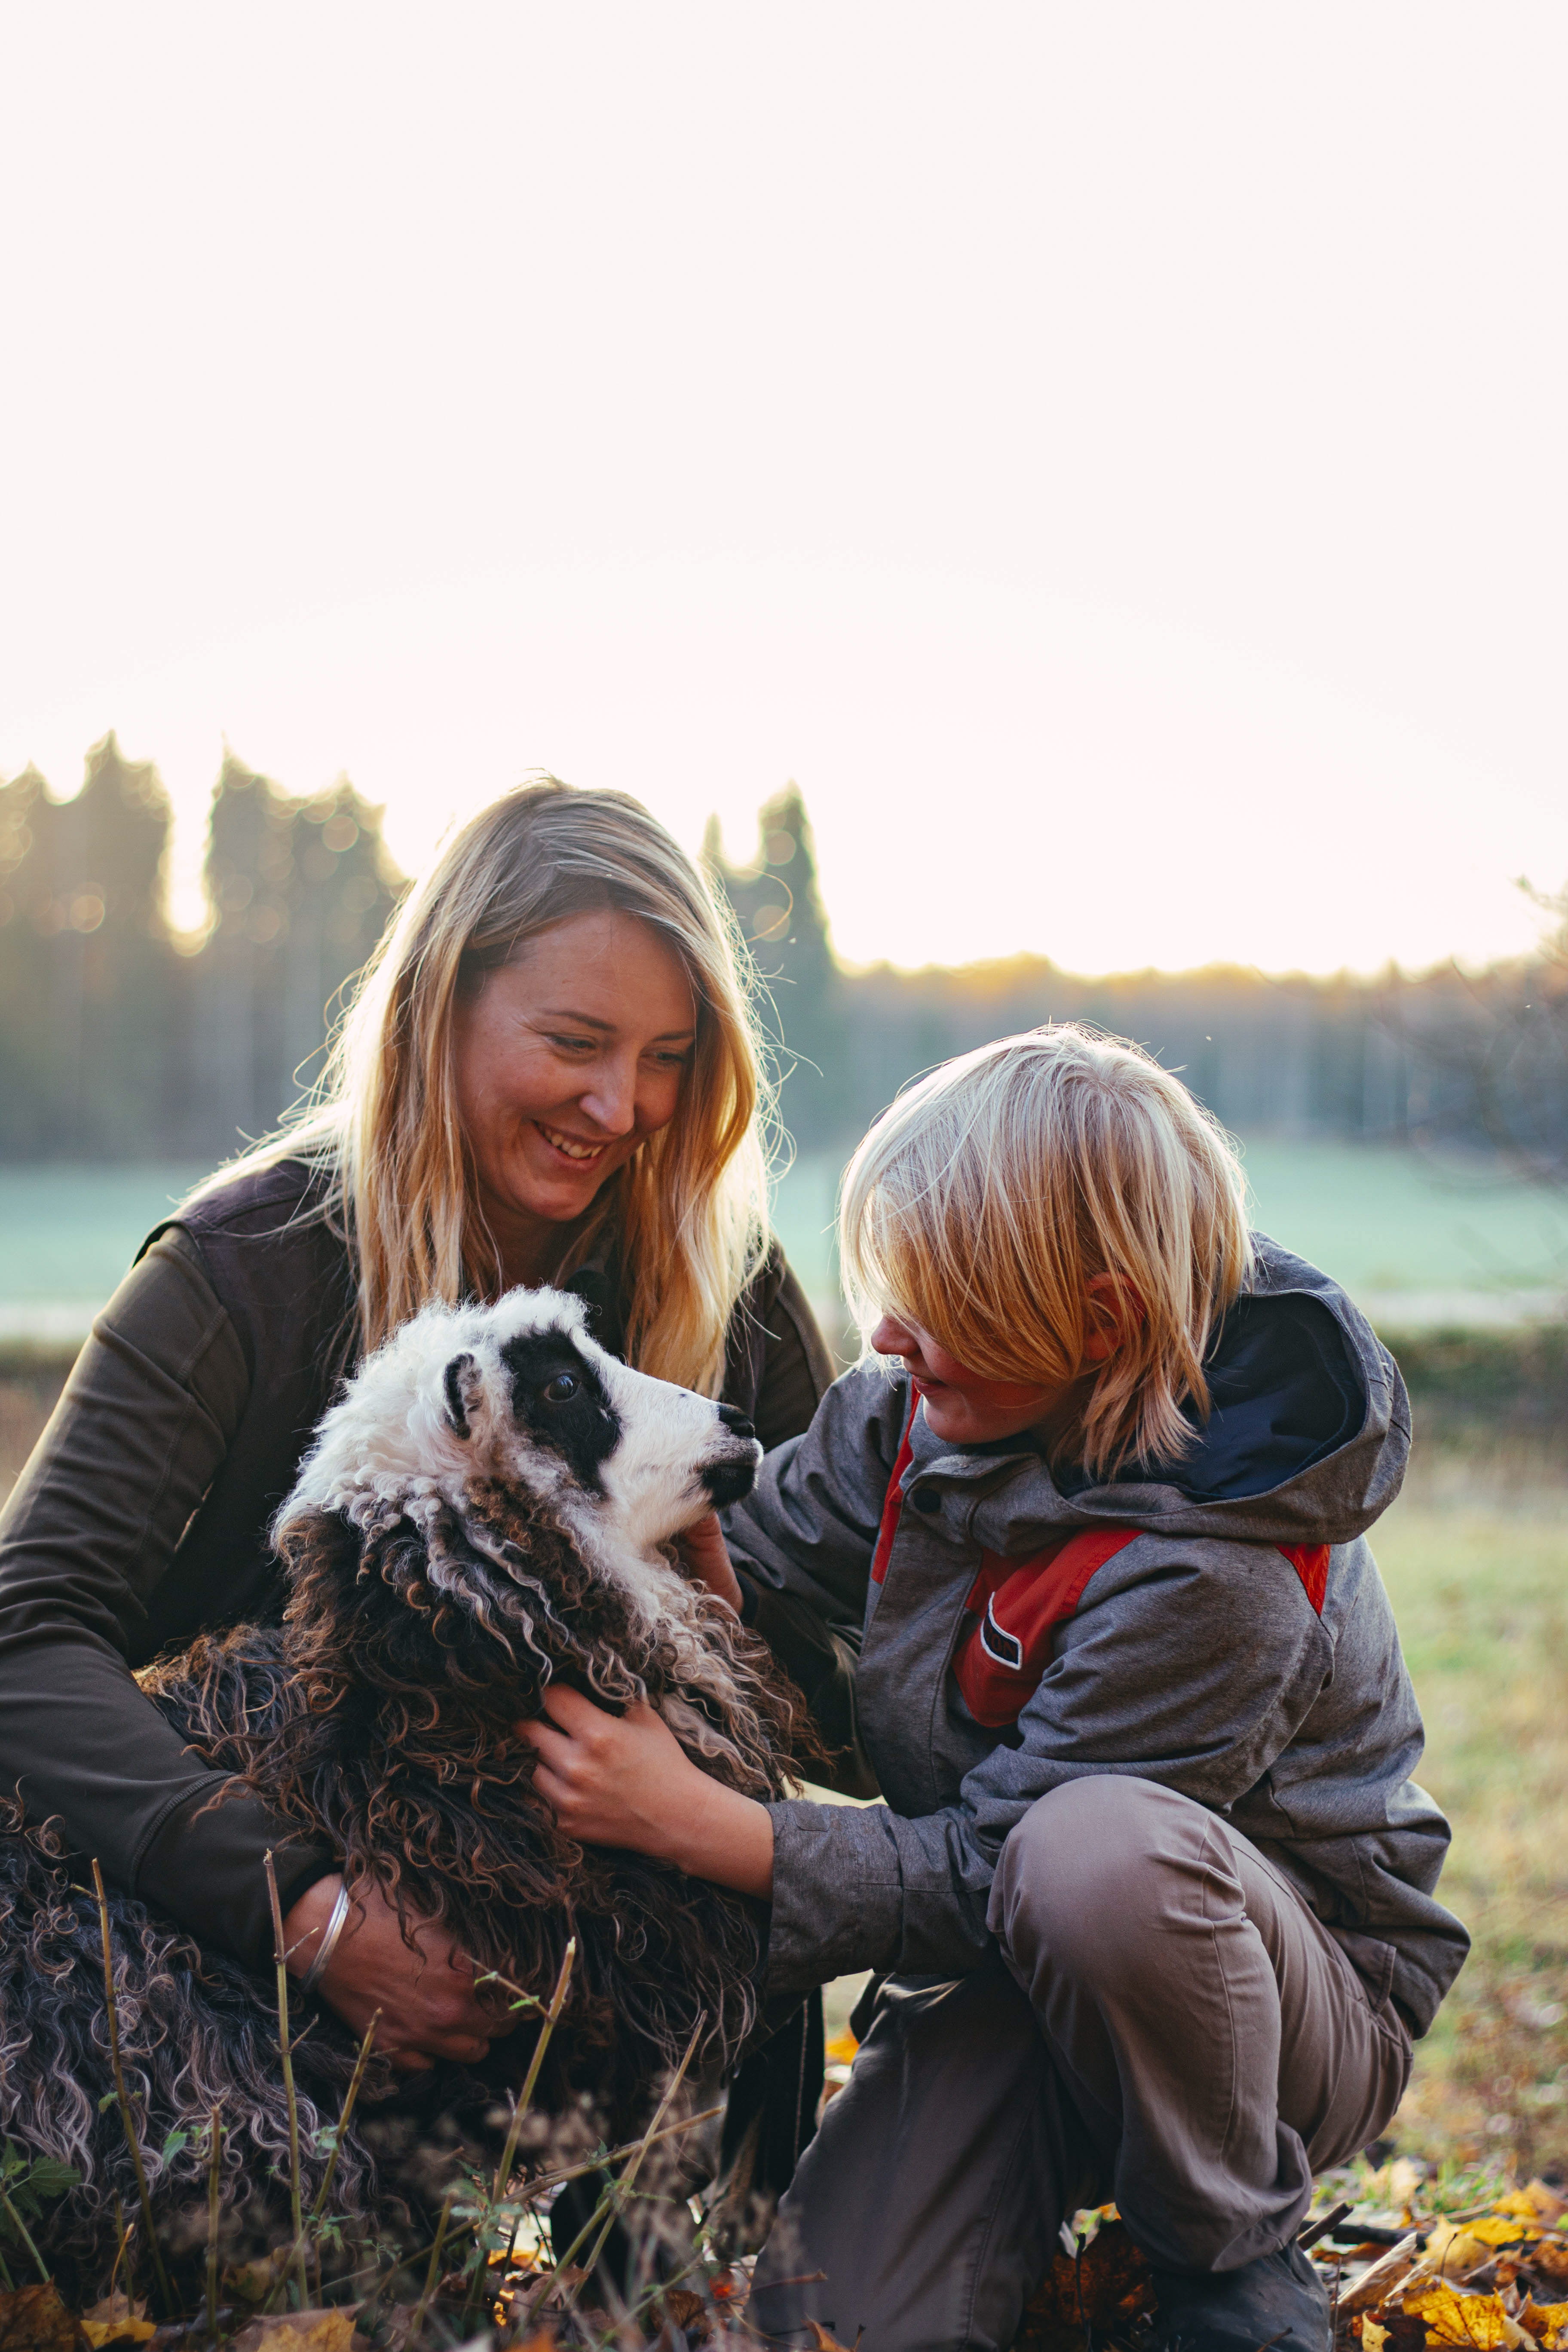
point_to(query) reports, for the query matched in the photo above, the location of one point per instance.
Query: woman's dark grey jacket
(142, 1521)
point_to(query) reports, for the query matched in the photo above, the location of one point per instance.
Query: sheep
(490, 1505)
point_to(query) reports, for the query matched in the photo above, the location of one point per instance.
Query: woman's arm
(87, 1534)
(86, 1537)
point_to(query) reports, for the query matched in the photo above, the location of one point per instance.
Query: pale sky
(1112, 457)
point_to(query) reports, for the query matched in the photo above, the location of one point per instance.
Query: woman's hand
(429, 2008)
(625, 1780)
(706, 1558)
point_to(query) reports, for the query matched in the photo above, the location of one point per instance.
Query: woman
(549, 1075)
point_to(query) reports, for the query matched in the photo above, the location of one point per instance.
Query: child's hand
(625, 1780)
(706, 1558)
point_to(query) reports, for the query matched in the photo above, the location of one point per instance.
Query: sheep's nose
(735, 1421)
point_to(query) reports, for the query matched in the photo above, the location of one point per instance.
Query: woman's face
(568, 1058)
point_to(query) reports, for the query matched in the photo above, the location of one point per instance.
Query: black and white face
(520, 1392)
(641, 1455)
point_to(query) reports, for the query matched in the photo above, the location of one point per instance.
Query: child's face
(961, 1408)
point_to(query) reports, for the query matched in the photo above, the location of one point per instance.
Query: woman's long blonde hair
(983, 1204)
(382, 1127)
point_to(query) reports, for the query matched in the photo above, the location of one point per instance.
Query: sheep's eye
(562, 1388)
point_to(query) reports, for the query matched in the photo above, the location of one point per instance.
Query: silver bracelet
(329, 1943)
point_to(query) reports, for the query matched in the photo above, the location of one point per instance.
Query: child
(1151, 1896)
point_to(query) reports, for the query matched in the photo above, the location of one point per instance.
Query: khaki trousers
(1160, 2020)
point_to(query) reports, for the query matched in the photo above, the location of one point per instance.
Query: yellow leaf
(254, 2281)
(1503, 2227)
(115, 2320)
(1453, 2250)
(840, 2050)
(1543, 2321)
(298, 2331)
(1477, 2320)
(1373, 2337)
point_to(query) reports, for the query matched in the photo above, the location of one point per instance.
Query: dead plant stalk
(286, 2051)
(215, 2200)
(617, 2196)
(122, 2097)
(525, 2096)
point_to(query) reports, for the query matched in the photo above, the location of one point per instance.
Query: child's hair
(986, 1201)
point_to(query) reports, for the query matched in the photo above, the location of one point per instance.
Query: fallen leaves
(1479, 2279)
(1450, 2317)
(298, 2331)
(117, 2322)
(1106, 2286)
(34, 2319)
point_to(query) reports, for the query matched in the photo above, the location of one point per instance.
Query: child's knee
(1083, 1878)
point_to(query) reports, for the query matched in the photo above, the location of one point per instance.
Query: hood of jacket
(1306, 1442)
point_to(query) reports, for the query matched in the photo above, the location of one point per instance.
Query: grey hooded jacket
(1197, 1655)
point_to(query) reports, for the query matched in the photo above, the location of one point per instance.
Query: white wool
(389, 1443)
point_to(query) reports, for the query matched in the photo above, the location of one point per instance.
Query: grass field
(1475, 1555)
(1417, 1239)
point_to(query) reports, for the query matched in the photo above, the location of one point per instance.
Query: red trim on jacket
(892, 1507)
(1310, 1562)
(1001, 1661)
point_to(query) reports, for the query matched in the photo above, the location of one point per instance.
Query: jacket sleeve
(90, 1526)
(1191, 1671)
(802, 1548)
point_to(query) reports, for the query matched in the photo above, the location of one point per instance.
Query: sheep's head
(518, 1394)
(510, 1489)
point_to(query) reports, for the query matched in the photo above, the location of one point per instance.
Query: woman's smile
(571, 1147)
(570, 1056)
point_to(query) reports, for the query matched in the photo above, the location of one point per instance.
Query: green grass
(69, 1232)
(1476, 1559)
(1390, 1223)
(1384, 1219)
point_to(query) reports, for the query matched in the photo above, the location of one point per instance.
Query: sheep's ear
(460, 1383)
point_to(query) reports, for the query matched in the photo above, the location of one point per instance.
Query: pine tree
(85, 965)
(778, 904)
(299, 892)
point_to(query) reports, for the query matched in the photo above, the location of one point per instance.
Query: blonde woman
(550, 1074)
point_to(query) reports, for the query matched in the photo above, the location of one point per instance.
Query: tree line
(120, 1039)
(1444, 1058)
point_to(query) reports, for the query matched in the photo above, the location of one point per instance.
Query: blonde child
(1150, 1901)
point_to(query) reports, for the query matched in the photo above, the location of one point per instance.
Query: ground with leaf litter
(1409, 2261)
(1458, 2241)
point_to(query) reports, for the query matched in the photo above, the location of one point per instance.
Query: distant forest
(119, 1041)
